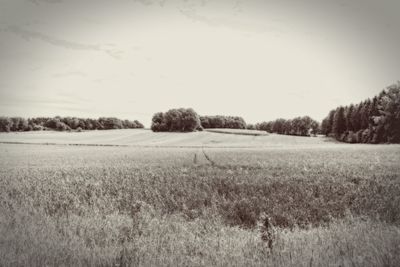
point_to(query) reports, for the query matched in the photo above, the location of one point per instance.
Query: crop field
(181, 202)
(238, 131)
(143, 138)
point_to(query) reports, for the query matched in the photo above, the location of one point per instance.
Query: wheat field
(183, 203)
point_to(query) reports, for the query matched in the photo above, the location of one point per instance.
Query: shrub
(5, 124)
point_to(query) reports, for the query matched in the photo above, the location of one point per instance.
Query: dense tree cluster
(176, 120)
(232, 122)
(302, 126)
(13, 124)
(371, 121)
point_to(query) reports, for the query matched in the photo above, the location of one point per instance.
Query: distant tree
(348, 117)
(89, 124)
(158, 123)
(205, 122)
(190, 120)
(173, 119)
(250, 127)
(314, 126)
(5, 124)
(109, 123)
(97, 125)
(331, 117)
(15, 124)
(339, 123)
(57, 124)
(324, 127)
(356, 118)
(278, 126)
(138, 124)
(82, 124)
(364, 113)
(390, 111)
(288, 126)
(23, 124)
(217, 122)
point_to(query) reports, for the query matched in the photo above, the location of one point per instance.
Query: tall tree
(339, 123)
(390, 110)
(348, 115)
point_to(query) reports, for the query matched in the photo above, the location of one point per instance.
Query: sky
(261, 60)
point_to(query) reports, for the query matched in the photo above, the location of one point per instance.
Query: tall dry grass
(91, 206)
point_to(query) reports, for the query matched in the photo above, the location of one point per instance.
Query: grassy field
(140, 137)
(238, 132)
(176, 199)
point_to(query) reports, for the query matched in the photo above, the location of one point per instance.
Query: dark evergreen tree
(348, 116)
(339, 123)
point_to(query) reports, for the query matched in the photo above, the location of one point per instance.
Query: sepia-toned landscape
(199, 133)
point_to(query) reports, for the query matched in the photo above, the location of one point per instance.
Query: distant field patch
(143, 137)
(238, 132)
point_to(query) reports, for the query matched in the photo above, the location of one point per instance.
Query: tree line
(375, 120)
(301, 126)
(232, 122)
(14, 124)
(187, 120)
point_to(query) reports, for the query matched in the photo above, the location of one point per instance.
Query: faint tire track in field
(208, 158)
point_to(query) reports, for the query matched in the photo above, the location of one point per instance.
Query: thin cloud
(28, 35)
(192, 13)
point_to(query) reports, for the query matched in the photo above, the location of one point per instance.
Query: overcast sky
(257, 59)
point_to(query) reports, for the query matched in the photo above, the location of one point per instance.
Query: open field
(238, 131)
(198, 203)
(140, 137)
